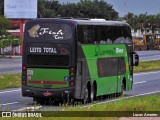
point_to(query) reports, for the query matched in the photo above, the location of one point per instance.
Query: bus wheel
(93, 94)
(40, 101)
(70, 102)
(86, 96)
(122, 88)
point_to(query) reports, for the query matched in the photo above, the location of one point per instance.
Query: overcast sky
(134, 6)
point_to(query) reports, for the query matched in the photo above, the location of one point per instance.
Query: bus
(76, 59)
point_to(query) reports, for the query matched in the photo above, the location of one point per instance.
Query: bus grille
(51, 60)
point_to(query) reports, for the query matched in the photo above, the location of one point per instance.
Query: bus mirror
(135, 59)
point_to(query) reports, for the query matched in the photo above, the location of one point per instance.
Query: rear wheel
(40, 101)
(93, 94)
(86, 96)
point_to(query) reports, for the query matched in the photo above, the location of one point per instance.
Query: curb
(11, 57)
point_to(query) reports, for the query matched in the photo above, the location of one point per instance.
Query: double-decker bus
(76, 58)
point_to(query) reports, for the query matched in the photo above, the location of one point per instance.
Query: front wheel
(122, 89)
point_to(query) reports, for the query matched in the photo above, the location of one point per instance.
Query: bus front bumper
(62, 93)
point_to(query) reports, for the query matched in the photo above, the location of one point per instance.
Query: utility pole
(125, 9)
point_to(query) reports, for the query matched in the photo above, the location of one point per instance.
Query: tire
(40, 101)
(122, 89)
(93, 94)
(70, 102)
(86, 96)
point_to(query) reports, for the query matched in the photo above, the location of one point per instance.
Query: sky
(134, 6)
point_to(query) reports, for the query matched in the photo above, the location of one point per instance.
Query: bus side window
(80, 34)
(103, 38)
(85, 35)
(122, 66)
(105, 67)
(96, 35)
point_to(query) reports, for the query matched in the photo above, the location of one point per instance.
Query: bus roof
(101, 22)
(85, 21)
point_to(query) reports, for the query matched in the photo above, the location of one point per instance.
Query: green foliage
(83, 9)
(145, 103)
(16, 42)
(48, 8)
(9, 40)
(142, 21)
(4, 24)
(1, 7)
(88, 9)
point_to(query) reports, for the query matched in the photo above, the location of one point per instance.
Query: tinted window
(122, 65)
(86, 34)
(48, 60)
(110, 66)
(107, 67)
(96, 34)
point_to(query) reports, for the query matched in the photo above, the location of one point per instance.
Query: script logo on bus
(37, 31)
(33, 31)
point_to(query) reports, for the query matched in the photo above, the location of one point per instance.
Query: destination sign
(42, 50)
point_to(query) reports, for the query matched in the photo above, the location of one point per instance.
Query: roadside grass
(143, 103)
(138, 104)
(10, 81)
(147, 66)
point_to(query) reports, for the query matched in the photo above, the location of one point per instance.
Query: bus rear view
(48, 59)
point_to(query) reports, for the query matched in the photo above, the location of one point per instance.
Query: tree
(88, 9)
(142, 21)
(47, 8)
(41, 8)
(4, 24)
(51, 8)
(5, 38)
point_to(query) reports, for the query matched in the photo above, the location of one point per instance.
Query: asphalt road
(9, 66)
(149, 55)
(144, 83)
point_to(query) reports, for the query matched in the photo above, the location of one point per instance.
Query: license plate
(47, 94)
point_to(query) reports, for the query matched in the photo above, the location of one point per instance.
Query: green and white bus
(76, 58)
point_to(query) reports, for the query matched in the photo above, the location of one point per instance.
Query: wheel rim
(92, 95)
(122, 88)
(86, 96)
